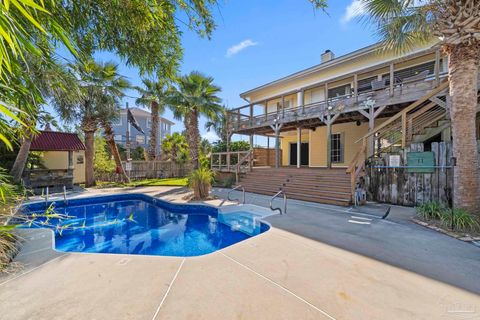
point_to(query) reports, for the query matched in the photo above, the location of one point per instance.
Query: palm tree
(195, 95)
(153, 96)
(219, 125)
(101, 87)
(175, 148)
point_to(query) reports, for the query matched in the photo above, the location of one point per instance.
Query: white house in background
(144, 119)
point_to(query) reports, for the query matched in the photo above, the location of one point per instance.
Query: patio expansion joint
(279, 286)
(168, 289)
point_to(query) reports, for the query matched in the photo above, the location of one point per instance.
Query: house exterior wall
(144, 120)
(59, 160)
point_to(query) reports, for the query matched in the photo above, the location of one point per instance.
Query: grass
(175, 182)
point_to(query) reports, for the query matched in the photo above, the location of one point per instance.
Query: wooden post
(268, 151)
(283, 106)
(326, 95)
(276, 128)
(299, 145)
(300, 101)
(329, 120)
(266, 110)
(355, 87)
(404, 130)
(251, 114)
(228, 161)
(437, 67)
(392, 79)
(371, 115)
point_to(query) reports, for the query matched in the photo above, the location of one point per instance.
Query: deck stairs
(330, 186)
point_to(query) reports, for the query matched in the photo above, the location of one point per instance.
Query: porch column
(329, 120)
(276, 128)
(300, 100)
(299, 145)
(371, 115)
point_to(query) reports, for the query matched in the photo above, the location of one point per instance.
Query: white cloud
(210, 136)
(233, 50)
(353, 10)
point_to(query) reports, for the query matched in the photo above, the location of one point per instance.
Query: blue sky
(257, 41)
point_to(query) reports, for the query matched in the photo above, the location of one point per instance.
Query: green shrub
(200, 181)
(431, 210)
(462, 220)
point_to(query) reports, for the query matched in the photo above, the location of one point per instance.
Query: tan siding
(59, 160)
(285, 145)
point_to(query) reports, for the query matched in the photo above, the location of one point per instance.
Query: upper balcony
(393, 84)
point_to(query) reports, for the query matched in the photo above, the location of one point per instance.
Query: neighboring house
(137, 138)
(61, 152)
(321, 114)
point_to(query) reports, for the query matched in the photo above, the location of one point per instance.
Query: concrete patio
(285, 273)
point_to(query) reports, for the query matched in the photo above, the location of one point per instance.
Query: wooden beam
(439, 101)
(437, 67)
(392, 79)
(355, 87)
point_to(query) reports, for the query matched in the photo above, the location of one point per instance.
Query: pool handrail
(284, 202)
(235, 188)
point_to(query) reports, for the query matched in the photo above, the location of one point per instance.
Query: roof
(56, 141)
(143, 113)
(331, 63)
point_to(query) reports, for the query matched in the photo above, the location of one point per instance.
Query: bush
(460, 219)
(431, 210)
(200, 181)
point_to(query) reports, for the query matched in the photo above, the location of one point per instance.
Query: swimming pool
(140, 224)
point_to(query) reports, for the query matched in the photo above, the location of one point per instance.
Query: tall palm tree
(101, 88)
(195, 96)
(153, 96)
(403, 24)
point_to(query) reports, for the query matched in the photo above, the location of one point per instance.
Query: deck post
(276, 128)
(300, 103)
(329, 120)
(251, 114)
(283, 106)
(355, 87)
(392, 79)
(371, 115)
(437, 67)
(266, 110)
(299, 145)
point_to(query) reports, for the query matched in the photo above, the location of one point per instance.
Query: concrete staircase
(330, 186)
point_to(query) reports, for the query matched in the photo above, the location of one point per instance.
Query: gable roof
(56, 141)
(143, 113)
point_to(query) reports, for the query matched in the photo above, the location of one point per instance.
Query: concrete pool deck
(276, 275)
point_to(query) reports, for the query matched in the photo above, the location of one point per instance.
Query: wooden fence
(404, 186)
(150, 170)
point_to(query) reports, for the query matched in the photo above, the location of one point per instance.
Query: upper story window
(118, 137)
(149, 122)
(336, 151)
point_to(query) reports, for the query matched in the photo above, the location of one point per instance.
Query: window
(149, 122)
(118, 122)
(80, 159)
(140, 139)
(339, 91)
(336, 150)
(118, 137)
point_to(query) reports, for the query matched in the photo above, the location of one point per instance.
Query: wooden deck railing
(229, 161)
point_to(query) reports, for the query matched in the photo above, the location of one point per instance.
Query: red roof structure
(56, 141)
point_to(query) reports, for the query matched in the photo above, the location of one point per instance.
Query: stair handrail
(242, 160)
(284, 202)
(235, 188)
(403, 113)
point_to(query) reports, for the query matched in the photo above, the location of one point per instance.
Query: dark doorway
(303, 154)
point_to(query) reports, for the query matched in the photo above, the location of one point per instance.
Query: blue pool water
(139, 224)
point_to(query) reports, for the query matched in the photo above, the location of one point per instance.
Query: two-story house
(327, 120)
(144, 119)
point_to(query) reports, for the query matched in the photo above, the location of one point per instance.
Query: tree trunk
(89, 134)
(21, 160)
(463, 75)
(193, 136)
(110, 138)
(152, 146)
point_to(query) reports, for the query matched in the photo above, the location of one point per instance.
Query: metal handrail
(237, 187)
(284, 202)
